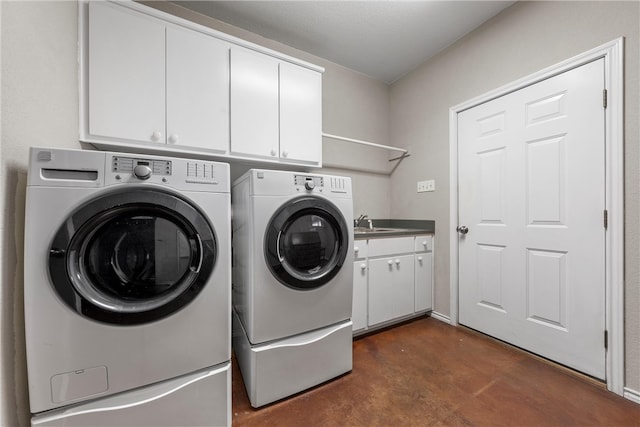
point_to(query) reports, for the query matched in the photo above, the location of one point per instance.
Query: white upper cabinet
(197, 90)
(153, 82)
(276, 108)
(126, 98)
(300, 113)
(254, 103)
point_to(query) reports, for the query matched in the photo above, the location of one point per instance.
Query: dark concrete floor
(428, 373)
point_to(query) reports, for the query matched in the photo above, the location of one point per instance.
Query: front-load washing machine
(127, 289)
(292, 280)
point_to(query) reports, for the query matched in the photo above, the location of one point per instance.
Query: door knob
(462, 229)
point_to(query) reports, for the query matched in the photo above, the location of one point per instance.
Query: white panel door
(126, 74)
(300, 113)
(254, 104)
(531, 192)
(197, 90)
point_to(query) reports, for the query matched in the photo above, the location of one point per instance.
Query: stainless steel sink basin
(377, 230)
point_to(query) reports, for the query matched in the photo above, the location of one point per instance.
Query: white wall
(525, 38)
(40, 108)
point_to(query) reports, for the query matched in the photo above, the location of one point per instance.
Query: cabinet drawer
(424, 243)
(360, 249)
(393, 245)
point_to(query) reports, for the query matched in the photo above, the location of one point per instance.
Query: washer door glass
(306, 243)
(133, 257)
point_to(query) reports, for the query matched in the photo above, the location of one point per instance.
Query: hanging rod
(405, 153)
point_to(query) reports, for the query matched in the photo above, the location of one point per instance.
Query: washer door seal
(132, 257)
(306, 243)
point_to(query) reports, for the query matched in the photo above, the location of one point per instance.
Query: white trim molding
(440, 317)
(612, 53)
(632, 395)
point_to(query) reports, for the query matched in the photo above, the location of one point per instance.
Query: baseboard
(632, 395)
(441, 317)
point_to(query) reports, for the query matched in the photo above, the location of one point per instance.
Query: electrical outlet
(424, 186)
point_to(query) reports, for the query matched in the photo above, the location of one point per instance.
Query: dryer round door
(306, 242)
(132, 257)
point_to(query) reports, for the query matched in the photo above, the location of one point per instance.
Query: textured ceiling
(382, 39)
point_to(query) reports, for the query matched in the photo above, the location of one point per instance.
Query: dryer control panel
(335, 184)
(263, 182)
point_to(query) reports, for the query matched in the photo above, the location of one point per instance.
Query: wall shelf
(404, 152)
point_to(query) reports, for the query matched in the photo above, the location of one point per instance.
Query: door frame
(613, 54)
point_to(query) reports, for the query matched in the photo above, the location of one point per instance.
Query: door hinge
(606, 339)
(606, 219)
(604, 98)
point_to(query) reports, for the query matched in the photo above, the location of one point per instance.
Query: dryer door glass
(132, 257)
(306, 243)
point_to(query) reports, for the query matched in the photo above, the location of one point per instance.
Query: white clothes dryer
(127, 276)
(292, 280)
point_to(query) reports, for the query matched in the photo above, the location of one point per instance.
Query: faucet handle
(356, 222)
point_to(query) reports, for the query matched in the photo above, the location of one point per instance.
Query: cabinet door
(359, 314)
(126, 98)
(423, 281)
(254, 104)
(391, 288)
(300, 113)
(197, 90)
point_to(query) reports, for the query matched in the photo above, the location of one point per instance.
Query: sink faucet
(356, 222)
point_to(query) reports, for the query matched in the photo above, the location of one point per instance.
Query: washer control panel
(141, 168)
(184, 174)
(201, 172)
(309, 182)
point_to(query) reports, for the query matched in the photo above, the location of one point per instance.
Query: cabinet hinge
(604, 98)
(606, 219)
(606, 339)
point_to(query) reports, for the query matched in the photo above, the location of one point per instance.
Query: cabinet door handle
(273, 152)
(390, 262)
(356, 249)
(420, 258)
(398, 261)
(285, 153)
(173, 138)
(156, 136)
(424, 243)
(363, 266)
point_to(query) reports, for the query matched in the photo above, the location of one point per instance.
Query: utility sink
(378, 230)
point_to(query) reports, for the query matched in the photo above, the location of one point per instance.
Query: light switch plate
(424, 186)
